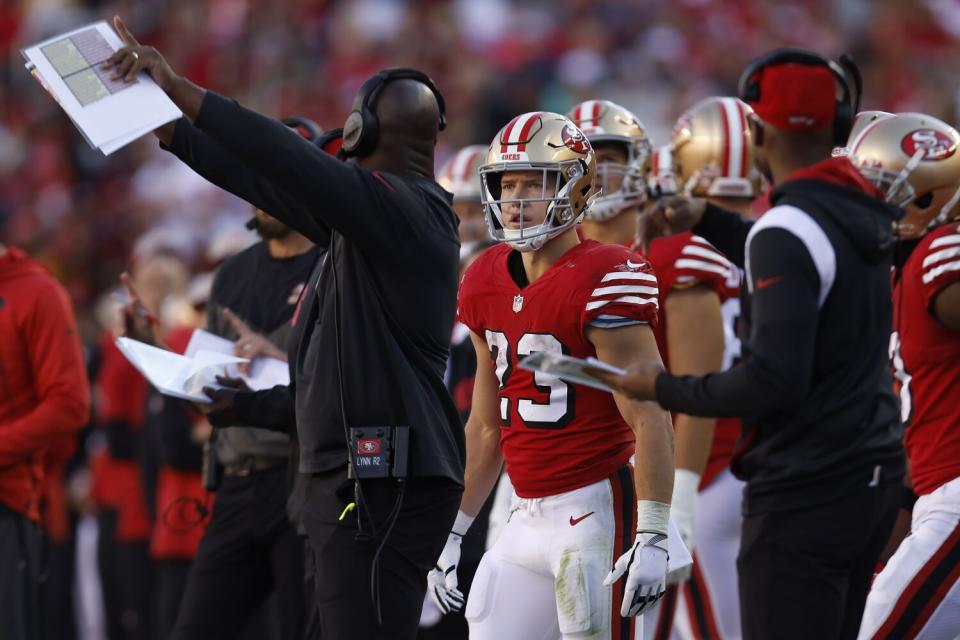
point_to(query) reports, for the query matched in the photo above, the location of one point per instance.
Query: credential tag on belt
(379, 452)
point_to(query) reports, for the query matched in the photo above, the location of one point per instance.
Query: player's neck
(290, 245)
(620, 229)
(536, 263)
(740, 206)
(3, 251)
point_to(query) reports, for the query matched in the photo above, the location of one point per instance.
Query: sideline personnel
(821, 448)
(376, 331)
(44, 396)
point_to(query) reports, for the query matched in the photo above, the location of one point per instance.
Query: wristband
(462, 523)
(652, 517)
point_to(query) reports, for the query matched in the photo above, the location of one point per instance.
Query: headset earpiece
(362, 128)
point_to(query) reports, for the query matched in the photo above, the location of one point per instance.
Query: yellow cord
(350, 507)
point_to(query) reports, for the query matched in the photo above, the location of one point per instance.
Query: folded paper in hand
(108, 113)
(569, 368)
(265, 373)
(175, 375)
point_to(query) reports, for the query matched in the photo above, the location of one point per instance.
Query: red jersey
(555, 436)
(926, 360)
(682, 261)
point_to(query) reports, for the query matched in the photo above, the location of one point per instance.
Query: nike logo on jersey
(633, 265)
(763, 283)
(575, 521)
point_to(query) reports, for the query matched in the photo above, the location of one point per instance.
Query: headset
(845, 72)
(362, 127)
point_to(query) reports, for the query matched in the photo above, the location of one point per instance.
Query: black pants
(58, 621)
(19, 576)
(248, 551)
(346, 607)
(806, 573)
(126, 577)
(170, 579)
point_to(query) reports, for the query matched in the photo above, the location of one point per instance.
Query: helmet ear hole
(924, 201)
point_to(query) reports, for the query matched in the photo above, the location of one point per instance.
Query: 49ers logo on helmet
(574, 139)
(935, 144)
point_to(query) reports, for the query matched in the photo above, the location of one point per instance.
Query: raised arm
(209, 159)
(347, 198)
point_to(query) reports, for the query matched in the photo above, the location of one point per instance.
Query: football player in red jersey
(579, 506)
(693, 278)
(710, 156)
(915, 160)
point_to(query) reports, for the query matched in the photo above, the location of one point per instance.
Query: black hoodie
(814, 386)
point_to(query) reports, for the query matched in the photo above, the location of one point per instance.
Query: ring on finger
(247, 347)
(136, 56)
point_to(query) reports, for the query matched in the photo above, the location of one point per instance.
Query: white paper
(173, 374)
(110, 114)
(265, 373)
(569, 368)
(678, 556)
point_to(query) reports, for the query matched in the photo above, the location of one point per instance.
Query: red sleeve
(940, 266)
(698, 262)
(59, 377)
(467, 297)
(622, 289)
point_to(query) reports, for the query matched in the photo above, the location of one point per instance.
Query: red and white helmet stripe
(736, 138)
(518, 132)
(586, 115)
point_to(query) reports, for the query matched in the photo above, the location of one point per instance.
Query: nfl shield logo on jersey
(517, 303)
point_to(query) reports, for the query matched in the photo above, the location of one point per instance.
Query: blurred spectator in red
(44, 398)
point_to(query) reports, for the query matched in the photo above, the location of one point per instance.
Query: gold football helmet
(913, 158)
(622, 185)
(460, 175)
(539, 141)
(860, 123)
(713, 150)
(663, 173)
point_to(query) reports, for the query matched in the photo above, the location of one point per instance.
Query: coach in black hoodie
(821, 448)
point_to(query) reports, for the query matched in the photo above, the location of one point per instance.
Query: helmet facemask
(631, 191)
(557, 182)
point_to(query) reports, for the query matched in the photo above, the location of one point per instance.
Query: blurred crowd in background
(89, 217)
(82, 214)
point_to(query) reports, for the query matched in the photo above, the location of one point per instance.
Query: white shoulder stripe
(800, 224)
(596, 304)
(700, 265)
(709, 254)
(943, 241)
(605, 291)
(629, 275)
(939, 270)
(938, 256)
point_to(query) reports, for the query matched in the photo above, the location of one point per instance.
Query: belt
(252, 464)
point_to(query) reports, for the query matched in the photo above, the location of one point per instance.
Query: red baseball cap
(796, 97)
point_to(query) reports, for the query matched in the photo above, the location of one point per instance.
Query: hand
(638, 383)
(250, 344)
(646, 567)
(442, 582)
(220, 412)
(686, 485)
(134, 58)
(138, 322)
(669, 216)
